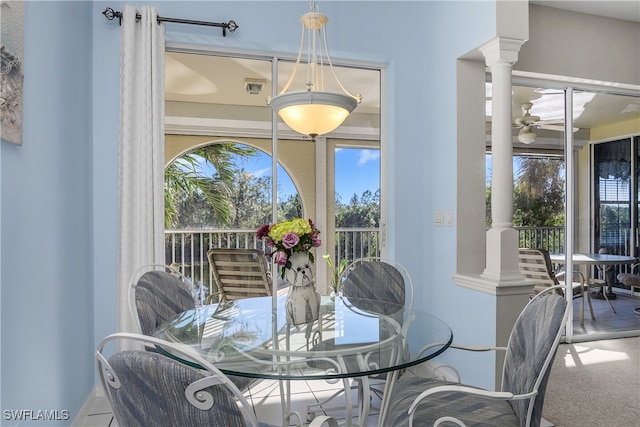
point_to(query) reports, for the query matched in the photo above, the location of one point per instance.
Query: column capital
(501, 50)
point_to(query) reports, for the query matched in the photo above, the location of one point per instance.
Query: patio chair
(239, 273)
(150, 389)
(535, 264)
(630, 279)
(529, 353)
(157, 293)
(379, 285)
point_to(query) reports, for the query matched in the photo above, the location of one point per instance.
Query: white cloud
(368, 155)
(261, 172)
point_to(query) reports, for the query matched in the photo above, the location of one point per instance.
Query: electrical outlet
(449, 219)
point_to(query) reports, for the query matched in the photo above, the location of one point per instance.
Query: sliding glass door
(612, 191)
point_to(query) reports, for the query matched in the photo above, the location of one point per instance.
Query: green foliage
(233, 198)
(290, 208)
(250, 201)
(363, 211)
(538, 195)
(185, 178)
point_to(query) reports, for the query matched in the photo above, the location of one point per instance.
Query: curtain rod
(111, 14)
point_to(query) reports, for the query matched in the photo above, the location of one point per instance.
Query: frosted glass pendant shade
(313, 113)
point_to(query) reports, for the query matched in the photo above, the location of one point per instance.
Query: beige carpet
(595, 384)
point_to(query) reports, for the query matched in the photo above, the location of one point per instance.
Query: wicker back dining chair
(529, 353)
(151, 389)
(377, 285)
(157, 293)
(378, 279)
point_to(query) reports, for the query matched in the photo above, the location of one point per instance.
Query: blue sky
(357, 170)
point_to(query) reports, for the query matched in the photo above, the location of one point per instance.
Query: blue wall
(59, 190)
(47, 227)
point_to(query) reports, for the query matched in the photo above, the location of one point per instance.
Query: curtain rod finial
(111, 14)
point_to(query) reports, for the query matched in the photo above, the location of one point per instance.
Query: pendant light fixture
(314, 111)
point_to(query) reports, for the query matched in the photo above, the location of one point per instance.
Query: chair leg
(593, 317)
(582, 309)
(323, 406)
(604, 293)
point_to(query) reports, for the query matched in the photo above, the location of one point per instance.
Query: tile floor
(265, 395)
(606, 320)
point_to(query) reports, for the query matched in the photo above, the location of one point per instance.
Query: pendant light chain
(295, 67)
(358, 98)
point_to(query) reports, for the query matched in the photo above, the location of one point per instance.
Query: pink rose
(280, 258)
(316, 242)
(290, 240)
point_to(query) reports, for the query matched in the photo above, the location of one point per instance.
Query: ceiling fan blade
(551, 122)
(558, 128)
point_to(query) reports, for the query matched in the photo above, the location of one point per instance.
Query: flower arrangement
(287, 237)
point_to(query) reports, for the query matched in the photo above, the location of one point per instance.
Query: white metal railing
(549, 238)
(188, 248)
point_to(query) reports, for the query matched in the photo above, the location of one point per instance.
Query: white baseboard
(545, 423)
(87, 405)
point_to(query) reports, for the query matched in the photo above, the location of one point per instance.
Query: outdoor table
(594, 259)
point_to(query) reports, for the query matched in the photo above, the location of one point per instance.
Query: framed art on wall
(12, 73)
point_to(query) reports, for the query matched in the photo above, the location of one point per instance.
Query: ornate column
(501, 272)
(502, 240)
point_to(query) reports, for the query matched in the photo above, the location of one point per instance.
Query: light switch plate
(438, 217)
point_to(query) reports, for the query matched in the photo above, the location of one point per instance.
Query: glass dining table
(352, 338)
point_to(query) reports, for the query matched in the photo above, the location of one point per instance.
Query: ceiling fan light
(313, 112)
(526, 137)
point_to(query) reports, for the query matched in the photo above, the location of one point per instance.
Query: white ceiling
(221, 80)
(590, 110)
(216, 80)
(627, 10)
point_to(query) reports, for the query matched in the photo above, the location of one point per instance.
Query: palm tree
(187, 176)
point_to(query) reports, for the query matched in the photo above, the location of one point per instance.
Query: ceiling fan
(527, 123)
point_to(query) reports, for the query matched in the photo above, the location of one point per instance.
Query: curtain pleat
(141, 162)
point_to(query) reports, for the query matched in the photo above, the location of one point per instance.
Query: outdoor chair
(151, 389)
(532, 345)
(157, 293)
(536, 265)
(240, 273)
(630, 279)
(380, 285)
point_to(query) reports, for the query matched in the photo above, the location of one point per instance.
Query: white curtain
(141, 174)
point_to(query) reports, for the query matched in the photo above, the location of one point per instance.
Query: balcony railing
(188, 248)
(549, 238)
